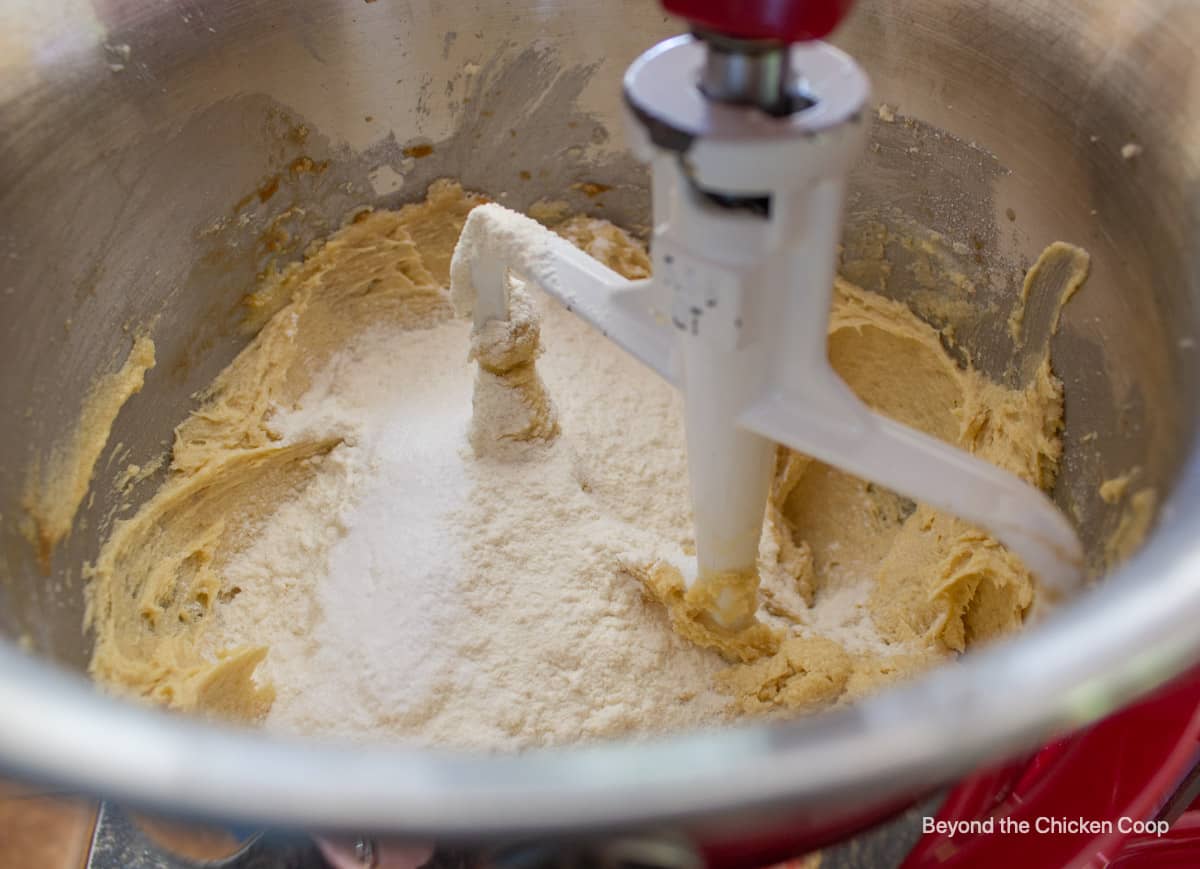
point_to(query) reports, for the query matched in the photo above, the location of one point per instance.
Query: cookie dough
(159, 575)
(931, 584)
(857, 586)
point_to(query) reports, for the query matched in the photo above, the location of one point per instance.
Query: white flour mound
(416, 591)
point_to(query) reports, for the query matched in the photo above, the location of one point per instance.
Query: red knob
(782, 20)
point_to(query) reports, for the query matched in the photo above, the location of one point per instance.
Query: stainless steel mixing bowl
(148, 172)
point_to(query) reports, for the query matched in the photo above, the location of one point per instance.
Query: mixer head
(763, 20)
